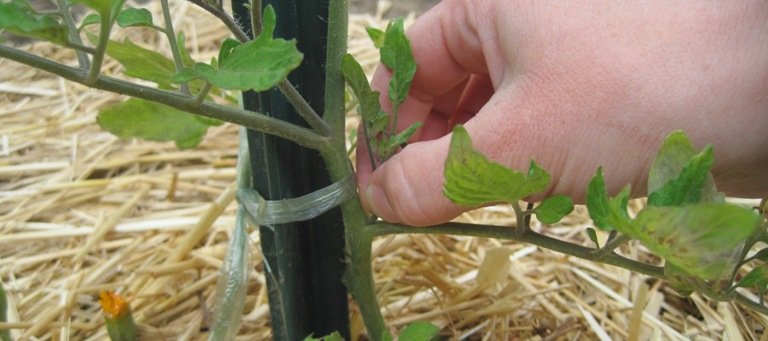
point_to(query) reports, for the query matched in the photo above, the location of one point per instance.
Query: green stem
(5, 334)
(522, 224)
(256, 21)
(256, 121)
(200, 97)
(335, 111)
(303, 108)
(225, 18)
(171, 35)
(743, 300)
(501, 232)
(79, 49)
(74, 37)
(610, 246)
(101, 49)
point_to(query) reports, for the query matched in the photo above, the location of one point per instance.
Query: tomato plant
(704, 240)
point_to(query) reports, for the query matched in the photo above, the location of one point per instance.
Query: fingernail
(379, 203)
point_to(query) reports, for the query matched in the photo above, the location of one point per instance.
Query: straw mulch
(82, 211)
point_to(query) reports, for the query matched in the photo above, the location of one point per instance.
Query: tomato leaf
(153, 121)
(335, 336)
(396, 54)
(703, 240)
(686, 188)
(256, 65)
(757, 278)
(553, 208)
(377, 36)
(90, 19)
(607, 213)
(418, 331)
(20, 18)
(135, 17)
(675, 153)
(592, 233)
(142, 63)
(106, 8)
(473, 180)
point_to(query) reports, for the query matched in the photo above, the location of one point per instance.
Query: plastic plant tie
(305, 207)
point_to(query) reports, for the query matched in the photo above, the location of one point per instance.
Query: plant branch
(101, 49)
(522, 224)
(610, 246)
(743, 300)
(303, 108)
(252, 120)
(171, 35)
(257, 23)
(501, 232)
(200, 97)
(335, 111)
(74, 37)
(225, 18)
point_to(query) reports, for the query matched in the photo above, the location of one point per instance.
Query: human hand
(576, 85)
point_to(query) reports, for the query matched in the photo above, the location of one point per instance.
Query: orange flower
(113, 304)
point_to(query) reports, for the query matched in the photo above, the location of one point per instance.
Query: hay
(81, 211)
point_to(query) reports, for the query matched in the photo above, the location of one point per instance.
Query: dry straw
(82, 212)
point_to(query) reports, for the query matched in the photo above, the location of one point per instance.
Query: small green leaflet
(256, 65)
(90, 19)
(592, 233)
(757, 278)
(153, 121)
(335, 336)
(472, 180)
(675, 153)
(687, 187)
(396, 54)
(19, 18)
(607, 213)
(111, 8)
(135, 17)
(553, 208)
(704, 240)
(377, 36)
(143, 63)
(418, 331)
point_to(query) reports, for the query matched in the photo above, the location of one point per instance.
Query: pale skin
(575, 85)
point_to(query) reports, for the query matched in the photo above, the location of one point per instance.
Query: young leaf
(680, 280)
(135, 17)
(226, 48)
(90, 19)
(20, 18)
(418, 331)
(256, 65)
(687, 187)
(386, 147)
(396, 55)
(335, 336)
(592, 233)
(153, 121)
(109, 8)
(674, 154)
(607, 213)
(377, 36)
(142, 63)
(553, 208)
(473, 180)
(704, 240)
(757, 278)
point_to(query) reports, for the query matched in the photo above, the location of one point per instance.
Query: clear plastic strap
(305, 207)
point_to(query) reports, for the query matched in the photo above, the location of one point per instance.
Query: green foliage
(335, 336)
(396, 55)
(135, 17)
(376, 35)
(5, 334)
(20, 18)
(153, 121)
(472, 180)
(607, 213)
(90, 19)
(592, 233)
(553, 208)
(686, 188)
(143, 63)
(704, 239)
(106, 8)
(675, 153)
(418, 331)
(256, 65)
(383, 142)
(757, 278)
